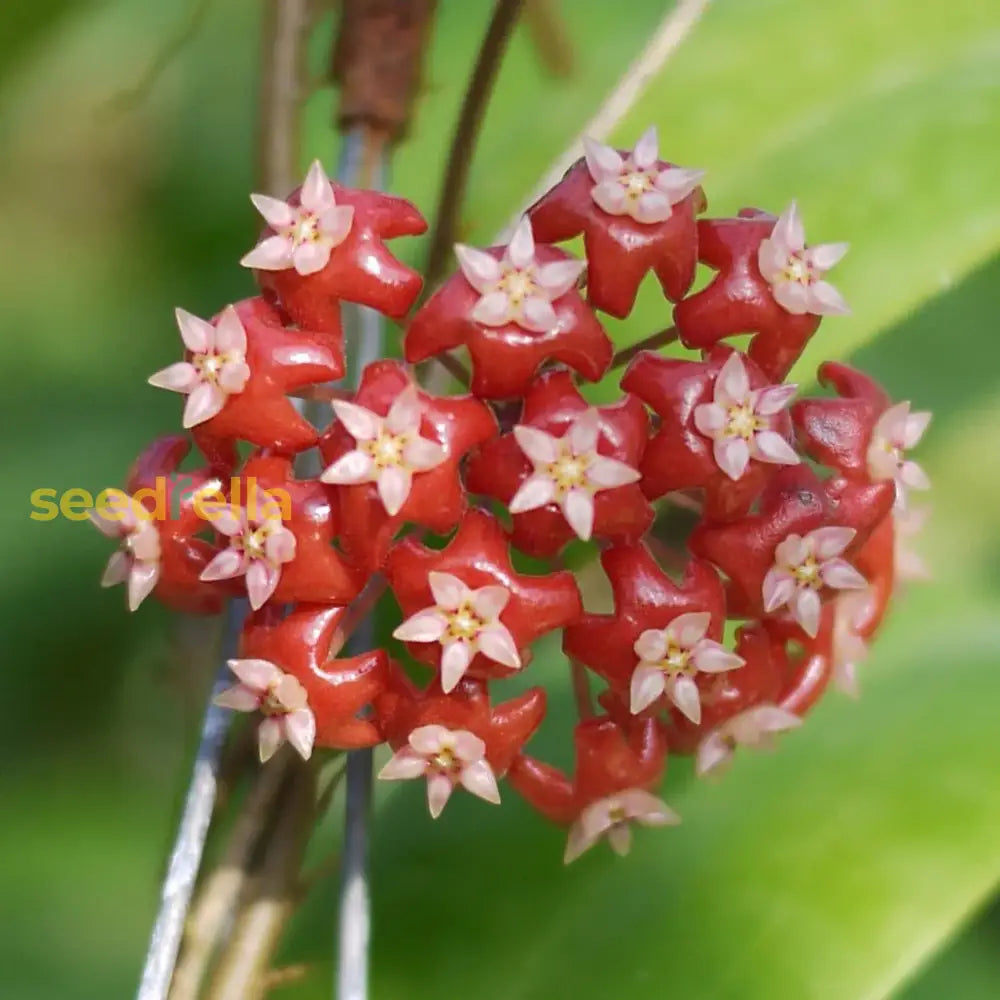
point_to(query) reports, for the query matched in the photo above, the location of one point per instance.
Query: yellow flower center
(209, 365)
(637, 183)
(387, 449)
(518, 285)
(444, 759)
(464, 623)
(271, 704)
(304, 230)
(617, 814)
(891, 449)
(569, 471)
(254, 541)
(796, 269)
(807, 573)
(743, 422)
(677, 660)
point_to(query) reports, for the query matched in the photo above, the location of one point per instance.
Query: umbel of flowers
(802, 503)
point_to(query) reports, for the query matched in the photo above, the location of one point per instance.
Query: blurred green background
(860, 861)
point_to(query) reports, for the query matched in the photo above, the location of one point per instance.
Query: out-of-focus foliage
(832, 869)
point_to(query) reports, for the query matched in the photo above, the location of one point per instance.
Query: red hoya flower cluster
(801, 503)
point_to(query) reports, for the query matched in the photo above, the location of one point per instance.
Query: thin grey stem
(355, 897)
(189, 845)
(362, 164)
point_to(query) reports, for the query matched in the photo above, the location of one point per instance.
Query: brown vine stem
(221, 890)
(243, 969)
(284, 32)
(454, 367)
(455, 181)
(456, 176)
(655, 340)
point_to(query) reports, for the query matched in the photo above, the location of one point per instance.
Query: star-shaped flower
(280, 698)
(739, 419)
(453, 597)
(137, 562)
(860, 433)
(636, 184)
(443, 428)
(568, 471)
(636, 213)
(739, 299)
(501, 730)
(723, 428)
(613, 817)
(446, 758)
(217, 369)
(670, 658)
(306, 231)
(156, 519)
(514, 307)
(896, 431)
(803, 566)
(660, 635)
(764, 678)
(517, 468)
(755, 728)
(517, 288)
(794, 502)
(239, 371)
(259, 544)
(796, 273)
(389, 452)
(303, 645)
(465, 622)
(306, 521)
(610, 789)
(326, 243)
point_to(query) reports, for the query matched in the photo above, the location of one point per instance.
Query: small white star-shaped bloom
(755, 728)
(446, 757)
(280, 698)
(894, 433)
(795, 273)
(670, 658)
(218, 367)
(516, 288)
(389, 452)
(259, 544)
(305, 234)
(465, 622)
(803, 565)
(137, 562)
(849, 649)
(738, 421)
(569, 471)
(907, 524)
(636, 185)
(613, 818)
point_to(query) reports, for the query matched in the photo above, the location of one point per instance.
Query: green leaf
(968, 970)
(824, 871)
